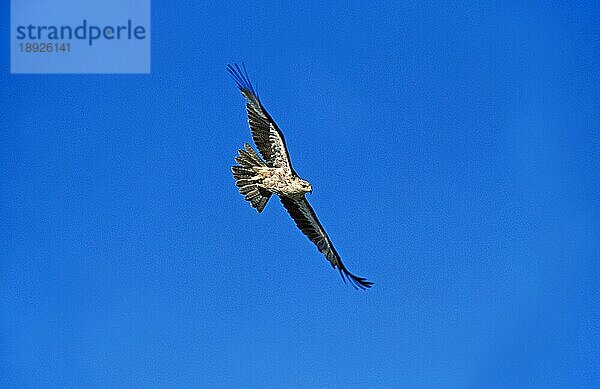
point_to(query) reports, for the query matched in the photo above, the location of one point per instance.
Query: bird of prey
(259, 178)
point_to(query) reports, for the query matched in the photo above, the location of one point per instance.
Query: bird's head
(306, 186)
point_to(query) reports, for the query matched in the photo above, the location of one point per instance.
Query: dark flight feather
(306, 219)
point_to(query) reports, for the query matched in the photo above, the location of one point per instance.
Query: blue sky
(453, 150)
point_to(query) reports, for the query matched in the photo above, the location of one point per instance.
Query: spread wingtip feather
(240, 76)
(355, 281)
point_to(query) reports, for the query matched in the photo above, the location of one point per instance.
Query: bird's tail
(246, 178)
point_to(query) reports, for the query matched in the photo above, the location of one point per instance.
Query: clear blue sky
(454, 154)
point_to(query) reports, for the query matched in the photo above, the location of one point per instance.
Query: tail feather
(241, 172)
(249, 151)
(246, 179)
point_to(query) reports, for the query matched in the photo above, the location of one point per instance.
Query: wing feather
(306, 219)
(267, 136)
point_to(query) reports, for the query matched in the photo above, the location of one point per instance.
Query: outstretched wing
(267, 136)
(307, 221)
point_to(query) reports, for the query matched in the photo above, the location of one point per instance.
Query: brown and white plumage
(258, 179)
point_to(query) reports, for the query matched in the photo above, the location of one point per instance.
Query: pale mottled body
(281, 181)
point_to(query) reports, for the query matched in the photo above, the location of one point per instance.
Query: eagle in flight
(258, 179)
